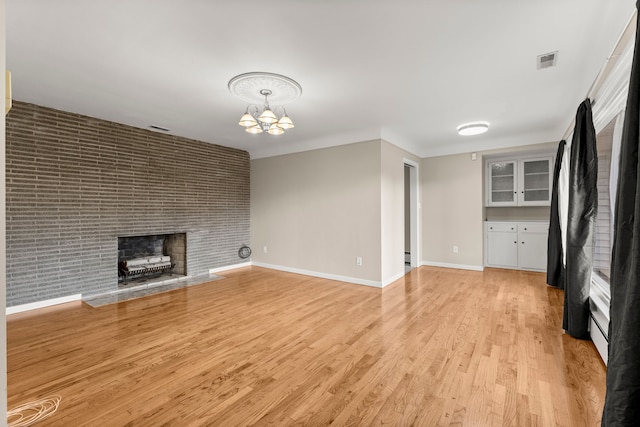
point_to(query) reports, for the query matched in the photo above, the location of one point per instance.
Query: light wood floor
(439, 347)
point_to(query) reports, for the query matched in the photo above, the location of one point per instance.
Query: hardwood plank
(262, 347)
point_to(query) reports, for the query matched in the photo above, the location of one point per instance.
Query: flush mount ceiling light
(252, 88)
(473, 128)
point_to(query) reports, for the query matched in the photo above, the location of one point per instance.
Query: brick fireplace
(75, 183)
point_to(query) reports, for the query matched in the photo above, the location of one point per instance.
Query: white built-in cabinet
(516, 245)
(519, 181)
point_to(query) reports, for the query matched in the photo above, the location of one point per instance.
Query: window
(602, 249)
(607, 144)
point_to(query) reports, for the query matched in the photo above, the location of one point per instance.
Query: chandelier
(252, 88)
(266, 121)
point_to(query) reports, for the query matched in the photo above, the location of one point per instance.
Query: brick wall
(76, 183)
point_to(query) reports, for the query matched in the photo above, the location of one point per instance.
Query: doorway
(410, 215)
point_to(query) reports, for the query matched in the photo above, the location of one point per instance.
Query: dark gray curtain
(622, 402)
(555, 264)
(583, 205)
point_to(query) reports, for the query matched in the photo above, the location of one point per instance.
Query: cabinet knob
(512, 228)
(490, 228)
(515, 242)
(523, 243)
(525, 229)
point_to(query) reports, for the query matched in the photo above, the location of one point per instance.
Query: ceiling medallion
(248, 87)
(252, 88)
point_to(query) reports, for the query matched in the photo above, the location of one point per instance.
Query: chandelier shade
(274, 129)
(268, 116)
(247, 120)
(285, 122)
(255, 129)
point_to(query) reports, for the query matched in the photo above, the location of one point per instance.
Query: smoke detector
(547, 60)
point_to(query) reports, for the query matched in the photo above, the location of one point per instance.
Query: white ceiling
(407, 71)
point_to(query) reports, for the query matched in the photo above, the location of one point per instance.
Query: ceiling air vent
(547, 60)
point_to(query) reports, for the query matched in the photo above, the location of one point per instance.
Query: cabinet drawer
(533, 227)
(501, 226)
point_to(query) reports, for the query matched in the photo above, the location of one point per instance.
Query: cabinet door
(535, 180)
(532, 246)
(502, 245)
(501, 182)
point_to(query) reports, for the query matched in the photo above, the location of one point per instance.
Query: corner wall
(316, 211)
(393, 210)
(452, 209)
(76, 183)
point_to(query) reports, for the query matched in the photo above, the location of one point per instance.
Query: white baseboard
(393, 279)
(347, 279)
(42, 304)
(229, 267)
(354, 280)
(599, 340)
(457, 266)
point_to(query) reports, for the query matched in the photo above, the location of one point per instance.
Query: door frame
(414, 210)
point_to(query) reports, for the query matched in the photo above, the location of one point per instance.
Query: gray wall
(75, 183)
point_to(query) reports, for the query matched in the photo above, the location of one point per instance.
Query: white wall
(316, 211)
(392, 210)
(453, 206)
(452, 211)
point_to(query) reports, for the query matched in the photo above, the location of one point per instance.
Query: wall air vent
(547, 60)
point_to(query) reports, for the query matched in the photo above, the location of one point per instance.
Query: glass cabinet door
(535, 178)
(502, 183)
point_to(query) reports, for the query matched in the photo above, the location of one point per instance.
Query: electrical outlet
(359, 261)
(264, 249)
(455, 249)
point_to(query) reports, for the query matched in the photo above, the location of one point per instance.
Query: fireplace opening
(151, 257)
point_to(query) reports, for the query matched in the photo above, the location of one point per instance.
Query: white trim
(611, 97)
(599, 303)
(457, 266)
(599, 340)
(42, 304)
(600, 290)
(410, 162)
(415, 207)
(347, 279)
(230, 267)
(393, 279)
